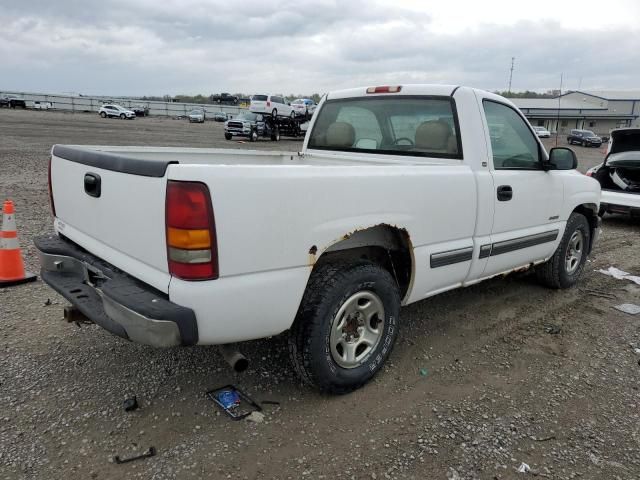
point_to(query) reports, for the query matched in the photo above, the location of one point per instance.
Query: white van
(273, 105)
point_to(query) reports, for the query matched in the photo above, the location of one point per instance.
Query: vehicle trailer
(399, 193)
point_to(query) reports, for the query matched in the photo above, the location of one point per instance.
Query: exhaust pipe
(234, 358)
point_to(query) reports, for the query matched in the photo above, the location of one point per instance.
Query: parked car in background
(224, 99)
(197, 115)
(382, 208)
(111, 111)
(140, 110)
(274, 105)
(542, 132)
(12, 101)
(220, 117)
(249, 125)
(619, 174)
(303, 106)
(586, 138)
(39, 105)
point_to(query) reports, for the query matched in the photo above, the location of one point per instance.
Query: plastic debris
(424, 372)
(629, 308)
(524, 468)
(552, 329)
(620, 275)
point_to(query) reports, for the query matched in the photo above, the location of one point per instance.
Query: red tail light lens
(53, 206)
(268, 103)
(385, 89)
(190, 228)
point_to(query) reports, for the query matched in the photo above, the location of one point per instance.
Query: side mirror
(562, 158)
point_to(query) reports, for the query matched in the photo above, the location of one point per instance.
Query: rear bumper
(112, 299)
(620, 202)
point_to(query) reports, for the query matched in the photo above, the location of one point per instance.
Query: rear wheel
(564, 268)
(346, 326)
(274, 113)
(103, 114)
(228, 136)
(293, 114)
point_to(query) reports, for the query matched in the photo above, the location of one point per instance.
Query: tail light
(268, 103)
(191, 234)
(53, 206)
(589, 173)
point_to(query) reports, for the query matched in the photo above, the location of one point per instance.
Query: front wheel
(274, 113)
(275, 135)
(346, 326)
(103, 114)
(253, 137)
(122, 116)
(564, 268)
(228, 136)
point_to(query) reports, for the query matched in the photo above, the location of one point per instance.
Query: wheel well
(590, 211)
(386, 245)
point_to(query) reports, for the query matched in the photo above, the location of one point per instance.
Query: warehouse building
(598, 110)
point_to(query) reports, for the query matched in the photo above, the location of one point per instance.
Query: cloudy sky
(156, 47)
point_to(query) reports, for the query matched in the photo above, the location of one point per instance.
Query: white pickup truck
(398, 194)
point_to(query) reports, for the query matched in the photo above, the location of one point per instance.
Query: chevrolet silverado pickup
(399, 193)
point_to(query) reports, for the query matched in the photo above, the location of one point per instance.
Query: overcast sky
(156, 47)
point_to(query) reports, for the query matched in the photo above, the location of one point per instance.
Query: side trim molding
(514, 244)
(442, 259)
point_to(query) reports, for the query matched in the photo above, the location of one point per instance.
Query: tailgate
(122, 223)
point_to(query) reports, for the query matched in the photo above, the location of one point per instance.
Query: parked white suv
(116, 111)
(273, 105)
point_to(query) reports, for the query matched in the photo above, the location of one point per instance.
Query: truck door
(526, 198)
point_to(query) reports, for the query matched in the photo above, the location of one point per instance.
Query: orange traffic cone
(11, 265)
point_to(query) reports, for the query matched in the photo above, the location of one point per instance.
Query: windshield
(589, 132)
(419, 126)
(259, 98)
(249, 117)
(196, 112)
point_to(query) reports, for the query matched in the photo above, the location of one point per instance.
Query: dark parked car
(140, 110)
(586, 138)
(224, 99)
(12, 101)
(250, 125)
(220, 117)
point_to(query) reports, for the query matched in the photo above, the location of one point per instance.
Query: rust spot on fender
(312, 255)
(313, 250)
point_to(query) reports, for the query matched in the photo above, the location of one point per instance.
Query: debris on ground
(48, 302)
(620, 274)
(255, 417)
(523, 468)
(552, 329)
(424, 372)
(130, 404)
(630, 308)
(148, 454)
(234, 402)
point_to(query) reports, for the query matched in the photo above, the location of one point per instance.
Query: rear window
(259, 98)
(418, 126)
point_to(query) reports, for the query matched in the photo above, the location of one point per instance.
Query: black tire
(293, 114)
(274, 113)
(275, 135)
(554, 273)
(329, 287)
(122, 116)
(228, 136)
(253, 136)
(103, 114)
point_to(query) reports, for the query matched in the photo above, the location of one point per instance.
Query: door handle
(92, 185)
(505, 193)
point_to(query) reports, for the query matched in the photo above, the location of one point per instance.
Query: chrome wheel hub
(357, 329)
(575, 250)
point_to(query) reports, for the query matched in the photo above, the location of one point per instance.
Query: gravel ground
(499, 389)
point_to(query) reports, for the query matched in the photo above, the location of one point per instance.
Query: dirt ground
(475, 386)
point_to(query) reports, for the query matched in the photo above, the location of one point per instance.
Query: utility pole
(513, 59)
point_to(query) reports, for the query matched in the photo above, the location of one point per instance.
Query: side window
(513, 144)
